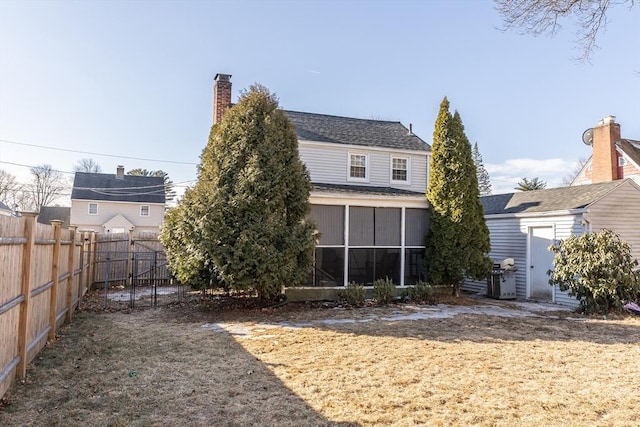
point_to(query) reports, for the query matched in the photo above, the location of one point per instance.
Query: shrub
(421, 292)
(353, 294)
(597, 268)
(384, 290)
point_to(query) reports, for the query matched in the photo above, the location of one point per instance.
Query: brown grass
(289, 367)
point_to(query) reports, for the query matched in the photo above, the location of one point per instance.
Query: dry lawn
(313, 366)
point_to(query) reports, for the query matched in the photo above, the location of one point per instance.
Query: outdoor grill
(501, 283)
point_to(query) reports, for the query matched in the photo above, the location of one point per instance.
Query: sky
(131, 82)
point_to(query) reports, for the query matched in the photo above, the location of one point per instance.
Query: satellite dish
(587, 136)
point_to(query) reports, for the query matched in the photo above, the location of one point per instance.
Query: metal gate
(135, 273)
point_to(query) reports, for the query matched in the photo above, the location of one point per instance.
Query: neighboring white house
(523, 225)
(117, 203)
(613, 157)
(5, 210)
(368, 198)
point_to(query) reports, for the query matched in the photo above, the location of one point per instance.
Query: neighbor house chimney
(120, 172)
(221, 96)
(605, 157)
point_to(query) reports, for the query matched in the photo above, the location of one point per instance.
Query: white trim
(148, 211)
(345, 267)
(408, 170)
(342, 199)
(627, 158)
(530, 228)
(403, 249)
(366, 166)
(89, 209)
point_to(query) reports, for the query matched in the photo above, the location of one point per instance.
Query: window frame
(622, 162)
(351, 154)
(89, 209)
(407, 181)
(148, 210)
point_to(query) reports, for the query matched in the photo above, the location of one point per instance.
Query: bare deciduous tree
(11, 191)
(543, 17)
(45, 188)
(568, 179)
(87, 165)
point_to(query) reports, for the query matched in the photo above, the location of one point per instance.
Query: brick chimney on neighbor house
(221, 96)
(605, 157)
(120, 172)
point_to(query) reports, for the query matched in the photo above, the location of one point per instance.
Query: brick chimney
(605, 157)
(221, 96)
(120, 172)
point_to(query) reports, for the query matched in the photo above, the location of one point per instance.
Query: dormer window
(358, 167)
(400, 170)
(622, 161)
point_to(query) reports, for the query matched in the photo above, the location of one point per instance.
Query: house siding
(107, 210)
(509, 240)
(620, 212)
(328, 164)
(564, 227)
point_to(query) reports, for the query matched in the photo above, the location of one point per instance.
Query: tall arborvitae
(458, 241)
(251, 202)
(484, 183)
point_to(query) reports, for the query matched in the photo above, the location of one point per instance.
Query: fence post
(93, 249)
(130, 259)
(27, 255)
(83, 275)
(55, 275)
(72, 273)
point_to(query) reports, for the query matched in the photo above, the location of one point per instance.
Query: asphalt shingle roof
(364, 189)
(49, 213)
(106, 187)
(352, 131)
(552, 199)
(631, 150)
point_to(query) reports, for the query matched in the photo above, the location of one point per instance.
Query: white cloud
(505, 176)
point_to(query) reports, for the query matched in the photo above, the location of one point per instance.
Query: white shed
(523, 225)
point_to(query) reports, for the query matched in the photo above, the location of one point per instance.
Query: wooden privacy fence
(44, 273)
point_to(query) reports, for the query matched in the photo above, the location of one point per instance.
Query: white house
(117, 203)
(612, 158)
(523, 225)
(369, 180)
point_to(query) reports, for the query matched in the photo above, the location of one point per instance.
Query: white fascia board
(367, 200)
(362, 147)
(537, 214)
(627, 158)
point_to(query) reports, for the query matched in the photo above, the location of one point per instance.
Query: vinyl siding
(564, 226)
(107, 210)
(619, 211)
(507, 241)
(328, 164)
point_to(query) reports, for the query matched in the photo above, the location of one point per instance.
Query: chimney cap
(222, 77)
(607, 120)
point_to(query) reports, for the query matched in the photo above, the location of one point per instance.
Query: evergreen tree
(458, 240)
(169, 191)
(484, 183)
(530, 185)
(247, 215)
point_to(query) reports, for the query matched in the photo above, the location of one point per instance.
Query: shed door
(541, 260)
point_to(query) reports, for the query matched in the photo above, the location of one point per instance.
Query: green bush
(384, 290)
(421, 292)
(353, 295)
(597, 268)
